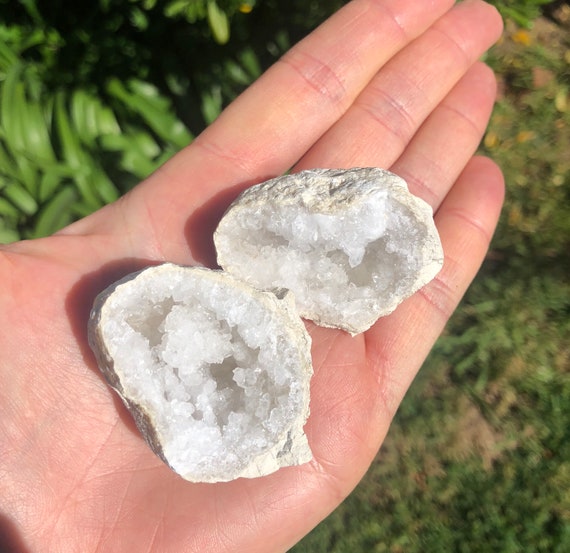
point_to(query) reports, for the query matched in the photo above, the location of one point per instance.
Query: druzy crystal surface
(350, 244)
(215, 366)
(215, 373)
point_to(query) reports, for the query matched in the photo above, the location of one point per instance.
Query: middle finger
(377, 128)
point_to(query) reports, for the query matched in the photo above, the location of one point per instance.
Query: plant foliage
(522, 12)
(88, 107)
(61, 152)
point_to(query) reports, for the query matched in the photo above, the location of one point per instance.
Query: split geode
(215, 373)
(350, 244)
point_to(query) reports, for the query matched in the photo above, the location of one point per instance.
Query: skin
(389, 83)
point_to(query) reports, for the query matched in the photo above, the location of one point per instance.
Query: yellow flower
(245, 8)
(561, 100)
(522, 36)
(525, 136)
(491, 139)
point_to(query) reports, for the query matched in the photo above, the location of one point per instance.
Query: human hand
(389, 83)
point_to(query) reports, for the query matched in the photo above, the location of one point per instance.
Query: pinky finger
(466, 221)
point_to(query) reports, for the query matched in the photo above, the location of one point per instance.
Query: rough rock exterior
(215, 373)
(350, 244)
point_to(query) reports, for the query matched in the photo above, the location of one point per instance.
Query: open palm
(389, 83)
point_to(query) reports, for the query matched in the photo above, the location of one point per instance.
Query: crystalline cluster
(350, 244)
(215, 373)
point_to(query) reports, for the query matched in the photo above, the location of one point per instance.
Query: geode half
(215, 373)
(350, 244)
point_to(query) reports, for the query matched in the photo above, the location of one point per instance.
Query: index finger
(271, 125)
(280, 116)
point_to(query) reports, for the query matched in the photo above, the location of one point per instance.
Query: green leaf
(250, 63)
(166, 154)
(8, 57)
(8, 236)
(192, 10)
(212, 104)
(219, 23)
(139, 19)
(25, 130)
(50, 181)
(137, 150)
(105, 188)
(12, 113)
(70, 144)
(9, 109)
(82, 117)
(74, 154)
(91, 118)
(237, 73)
(8, 209)
(176, 8)
(105, 120)
(56, 213)
(7, 164)
(145, 100)
(158, 113)
(37, 137)
(32, 9)
(21, 198)
(28, 175)
(53, 176)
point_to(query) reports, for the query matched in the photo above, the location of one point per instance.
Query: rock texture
(215, 373)
(350, 244)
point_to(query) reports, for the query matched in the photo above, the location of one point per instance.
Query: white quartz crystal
(215, 373)
(350, 244)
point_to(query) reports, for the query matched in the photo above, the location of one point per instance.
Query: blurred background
(93, 98)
